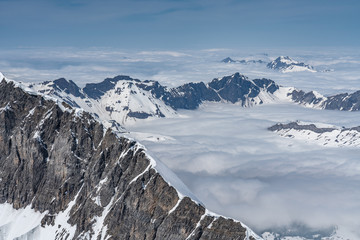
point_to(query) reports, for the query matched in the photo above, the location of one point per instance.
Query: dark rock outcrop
(243, 61)
(310, 127)
(55, 159)
(299, 96)
(228, 60)
(237, 87)
(297, 126)
(96, 90)
(345, 101)
(190, 96)
(68, 87)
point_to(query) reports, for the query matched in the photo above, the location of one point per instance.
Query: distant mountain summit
(244, 61)
(286, 64)
(228, 60)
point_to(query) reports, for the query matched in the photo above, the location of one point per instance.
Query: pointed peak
(284, 59)
(120, 78)
(228, 60)
(1, 76)
(239, 75)
(61, 81)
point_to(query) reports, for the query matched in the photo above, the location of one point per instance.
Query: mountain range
(243, 61)
(123, 100)
(283, 64)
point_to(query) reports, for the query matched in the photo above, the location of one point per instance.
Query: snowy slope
(124, 102)
(322, 134)
(127, 101)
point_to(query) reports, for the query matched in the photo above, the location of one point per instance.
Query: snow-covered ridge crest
(123, 101)
(319, 133)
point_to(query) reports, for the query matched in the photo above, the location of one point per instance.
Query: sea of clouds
(224, 152)
(238, 168)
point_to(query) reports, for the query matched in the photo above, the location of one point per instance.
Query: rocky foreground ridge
(84, 182)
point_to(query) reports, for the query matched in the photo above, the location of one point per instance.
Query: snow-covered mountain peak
(287, 64)
(57, 86)
(96, 90)
(121, 99)
(285, 59)
(130, 99)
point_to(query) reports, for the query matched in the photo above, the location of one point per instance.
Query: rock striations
(73, 179)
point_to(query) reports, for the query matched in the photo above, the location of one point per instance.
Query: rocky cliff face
(85, 182)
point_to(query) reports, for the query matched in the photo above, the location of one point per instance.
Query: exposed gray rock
(309, 98)
(51, 156)
(237, 87)
(345, 101)
(297, 126)
(96, 90)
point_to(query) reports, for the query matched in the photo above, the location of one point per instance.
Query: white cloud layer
(238, 168)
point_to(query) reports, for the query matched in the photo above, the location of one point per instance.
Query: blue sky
(175, 24)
